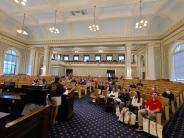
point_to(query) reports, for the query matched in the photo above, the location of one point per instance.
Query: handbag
(159, 130)
(153, 128)
(121, 116)
(132, 119)
(127, 117)
(145, 125)
(117, 111)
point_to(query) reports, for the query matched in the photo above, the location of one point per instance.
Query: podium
(65, 112)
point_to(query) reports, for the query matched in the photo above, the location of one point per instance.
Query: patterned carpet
(91, 121)
(175, 127)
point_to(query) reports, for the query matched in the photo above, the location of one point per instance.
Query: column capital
(128, 45)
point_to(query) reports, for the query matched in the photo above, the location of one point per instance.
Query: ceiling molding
(173, 33)
(12, 40)
(94, 41)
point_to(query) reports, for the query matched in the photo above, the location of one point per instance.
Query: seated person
(136, 103)
(123, 98)
(35, 82)
(153, 90)
(168, 94)
(74, 80)
(113, 94)
(152, 107)
(100, 87)
(132, 85)
(56, 91)
(44, 81)
(140, 84)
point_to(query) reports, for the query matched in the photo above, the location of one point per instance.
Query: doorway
(69, 72)
(110, 74)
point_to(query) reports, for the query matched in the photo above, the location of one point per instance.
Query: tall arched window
(10, 62)
(179, 62)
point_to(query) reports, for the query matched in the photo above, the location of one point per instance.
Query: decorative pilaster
(1, 63)
(128, 62)
(31, 61)
(150, 62)
(36, 67)
(45, 61)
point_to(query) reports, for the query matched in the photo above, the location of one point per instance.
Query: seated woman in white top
(114, 93)
(136, 103)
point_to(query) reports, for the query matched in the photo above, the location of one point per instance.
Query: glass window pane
(75, 57)
(9, 52)
(179, 63)
(66, 58)
(86, 58)
(59, 57)
(98, 58)
(13, 53)
(109, 58)
(10, 60)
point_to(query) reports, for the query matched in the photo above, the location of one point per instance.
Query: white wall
(96, 70)
(57, 71)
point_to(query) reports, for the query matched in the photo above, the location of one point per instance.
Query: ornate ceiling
(116, 18)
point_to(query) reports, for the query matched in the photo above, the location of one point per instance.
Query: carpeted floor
(91, 121)
(175, 127)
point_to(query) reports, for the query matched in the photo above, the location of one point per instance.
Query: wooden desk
(35, 96)
(11, 103)
(3, 115)
(3, 118)
(32, 125)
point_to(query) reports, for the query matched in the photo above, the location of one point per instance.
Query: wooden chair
(165, 104)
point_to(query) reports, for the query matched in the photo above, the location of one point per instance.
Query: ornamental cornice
(11, 41)
(174, 33)
(95, 41)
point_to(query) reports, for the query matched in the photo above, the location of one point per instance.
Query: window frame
(86, 56)
(119, 58)
(108, 56)
(74, 57)
(97, 56)
(11, 64)
(64, 57)
(177, 50)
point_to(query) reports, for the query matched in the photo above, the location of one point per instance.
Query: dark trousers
(133, 109)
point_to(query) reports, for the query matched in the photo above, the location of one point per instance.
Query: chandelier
(54, 29)
(22, 29)
(94, 27)
(22, 2)
(142, 23)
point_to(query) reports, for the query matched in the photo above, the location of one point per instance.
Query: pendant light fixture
(142, 23)
(22, 30)
(54, 29)
(94, 27)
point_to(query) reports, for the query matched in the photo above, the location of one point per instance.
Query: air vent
(79, 12)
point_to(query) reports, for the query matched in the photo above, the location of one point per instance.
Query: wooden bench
(32, 125)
